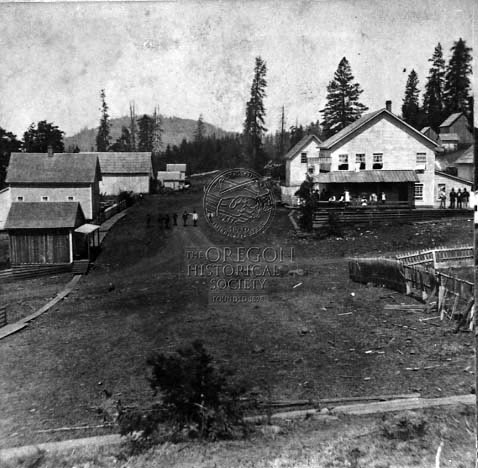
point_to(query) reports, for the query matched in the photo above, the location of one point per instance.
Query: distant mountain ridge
(175, 130)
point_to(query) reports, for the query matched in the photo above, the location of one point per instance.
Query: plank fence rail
(439, 256)
(3, 316)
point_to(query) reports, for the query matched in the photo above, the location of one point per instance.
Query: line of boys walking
(457, 199)
(164, 220)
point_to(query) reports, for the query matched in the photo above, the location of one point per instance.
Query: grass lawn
(298, 344)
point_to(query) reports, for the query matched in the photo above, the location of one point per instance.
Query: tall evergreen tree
(38, 138)
(254, 128)
(457, 80)
(410, 106)
(281, 145)
(145, 133)
(157, 136)
(103, 137)
(200, 131)
(343, 106)
(132, 126)
(433, 104)
(8, 145)
(123, 143)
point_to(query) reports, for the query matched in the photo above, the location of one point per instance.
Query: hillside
(175, 130)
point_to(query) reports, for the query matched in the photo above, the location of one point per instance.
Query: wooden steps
(80, 267)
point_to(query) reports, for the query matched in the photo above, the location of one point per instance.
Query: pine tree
(132, 126)
(103, 136)
(38, 138)
(410, 106)
(281, 145)
(157, 136)
(433, 97)
(343, 106)
(145, 133)
(200, 131)
(123, 143)
(457, 80)
(254, 127)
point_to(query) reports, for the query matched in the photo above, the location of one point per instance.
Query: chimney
(388, 106)
(50, 151)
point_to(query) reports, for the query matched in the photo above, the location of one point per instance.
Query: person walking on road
(167, 220)
(185, 218)
(175, 219)
(195, 218)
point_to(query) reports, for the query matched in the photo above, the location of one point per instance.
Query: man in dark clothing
(459, 199)
(166, 220)
(452, 198)
(148, 220)
(185, 217)
(160, 219)
(175, 219)
(465, 197)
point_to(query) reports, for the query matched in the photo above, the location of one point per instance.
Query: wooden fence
(453, 297)
(439, 257)
(33, 271)
(375, 215)
(3, 316)
(111, 211)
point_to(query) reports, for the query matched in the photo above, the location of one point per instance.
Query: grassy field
(298, 344)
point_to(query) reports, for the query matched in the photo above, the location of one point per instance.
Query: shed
(174, 179)
(42, 233)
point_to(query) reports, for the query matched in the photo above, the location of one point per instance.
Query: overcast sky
(193, 57)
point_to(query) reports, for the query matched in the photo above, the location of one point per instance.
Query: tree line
(447, 90)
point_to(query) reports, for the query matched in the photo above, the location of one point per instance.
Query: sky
(197, 57)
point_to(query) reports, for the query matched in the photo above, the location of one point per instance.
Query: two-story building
(378, 153)
(455, 132)
(301, 159)
(56, 177)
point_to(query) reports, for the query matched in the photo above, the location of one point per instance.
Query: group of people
(347, 199)
(164, 220)
(459, 199)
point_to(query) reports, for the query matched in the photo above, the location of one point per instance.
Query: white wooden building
(125, 172)
(56, 177)
(377, 153)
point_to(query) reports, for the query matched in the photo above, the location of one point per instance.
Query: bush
(404, 426)
(196, 400)
(128, 197)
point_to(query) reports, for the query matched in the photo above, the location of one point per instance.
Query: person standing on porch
(465, 197)
(442, 198)
(452, 198)
(459, 199)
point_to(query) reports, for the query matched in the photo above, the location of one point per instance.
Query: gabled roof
(176, 167)
(451, 119)
(44, 215)
(452, 177)
(449, 137)
(301, 145)
(360, 177)
(125, 162)
(467, 157)
(60, 168)
(365, 119)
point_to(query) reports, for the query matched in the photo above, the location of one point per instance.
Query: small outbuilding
(42, 233)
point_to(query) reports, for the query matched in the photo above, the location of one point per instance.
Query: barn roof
(467, 157)
(44, 215)
(125, 162)
(40, 168)
(365, 119)
(301, 144)
(451, 119)
(176, 167)
(361, 177)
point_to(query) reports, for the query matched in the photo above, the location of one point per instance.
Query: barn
(42, 233)
(125, 172)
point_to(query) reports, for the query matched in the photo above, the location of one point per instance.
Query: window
(70, 198)
(19, 198)
(360, 161)
(303, 158)
(377, 161)
(343, 162)
(421, 161)
(418, 192)
(44, 198)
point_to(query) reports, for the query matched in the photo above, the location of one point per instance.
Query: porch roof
(87, 228)
(364, 177)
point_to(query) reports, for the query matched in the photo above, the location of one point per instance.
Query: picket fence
(452, 297)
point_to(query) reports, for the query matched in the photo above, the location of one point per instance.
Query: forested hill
(175, 130)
